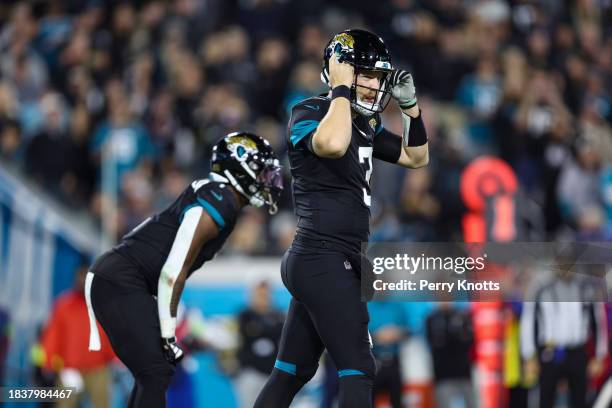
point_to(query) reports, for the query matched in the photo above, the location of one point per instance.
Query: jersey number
(365, 156)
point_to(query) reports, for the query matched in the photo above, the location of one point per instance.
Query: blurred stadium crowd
(158, 82)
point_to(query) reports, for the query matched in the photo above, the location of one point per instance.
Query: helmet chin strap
(248, 170)
(253, 200)
(272, 208)
(359, 107)
(325, 77)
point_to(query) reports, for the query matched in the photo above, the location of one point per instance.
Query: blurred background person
(450, 338)
(555, 330)
(65, 344)
(389, 329)
(260, 326)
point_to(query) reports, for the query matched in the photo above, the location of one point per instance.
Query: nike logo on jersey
(218, 196)
(312, 107)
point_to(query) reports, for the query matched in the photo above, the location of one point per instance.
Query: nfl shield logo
(373, 123)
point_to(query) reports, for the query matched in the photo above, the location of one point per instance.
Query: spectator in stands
(260, 326)
(9, 105)
(10, 142)
(389, 328)
(138, 200)
(605, 183)
(273, 74)
(591, 225)
(449, 334)
(56, 171)
(121, 141)
(21, 64)
(579, 181)
(481, 94)
(65, 342)
(247, 237)
(419, 207)
(177, 76)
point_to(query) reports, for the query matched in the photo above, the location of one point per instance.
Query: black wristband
(341, 91)
(417, 135)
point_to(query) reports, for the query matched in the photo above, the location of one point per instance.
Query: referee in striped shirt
(555, 328)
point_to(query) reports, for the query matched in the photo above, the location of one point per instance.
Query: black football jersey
(149, 244)
(331, 196)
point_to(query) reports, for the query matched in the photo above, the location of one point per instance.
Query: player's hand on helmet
(402, 89)
(172, 351)
(340, 73)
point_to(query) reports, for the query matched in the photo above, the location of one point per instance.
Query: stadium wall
(40, 247)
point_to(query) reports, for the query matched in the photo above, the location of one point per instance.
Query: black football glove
(172, 351)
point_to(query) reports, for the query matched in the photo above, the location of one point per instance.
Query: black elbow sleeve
(417, 135)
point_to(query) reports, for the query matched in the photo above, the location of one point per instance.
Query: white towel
(94, 335)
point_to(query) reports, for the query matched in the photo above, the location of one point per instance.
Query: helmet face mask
(250, 165)
(270, 186)
(366, 52)
(382, 94)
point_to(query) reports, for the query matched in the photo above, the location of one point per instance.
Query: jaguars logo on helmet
(251, 166)
(240, 146)
(343, 42)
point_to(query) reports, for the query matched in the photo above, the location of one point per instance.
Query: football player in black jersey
(156, 258)
(332, 140)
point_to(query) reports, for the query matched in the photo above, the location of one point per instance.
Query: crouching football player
(133, 290)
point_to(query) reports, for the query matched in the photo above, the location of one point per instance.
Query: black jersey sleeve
(305, 118)
(387, 145)
(218, 201)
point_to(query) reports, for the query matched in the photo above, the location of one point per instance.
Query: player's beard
(368, 106)
(376, 104)
(371, 105)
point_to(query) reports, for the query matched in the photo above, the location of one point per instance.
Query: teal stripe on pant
(347, 372)
(286, 367)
